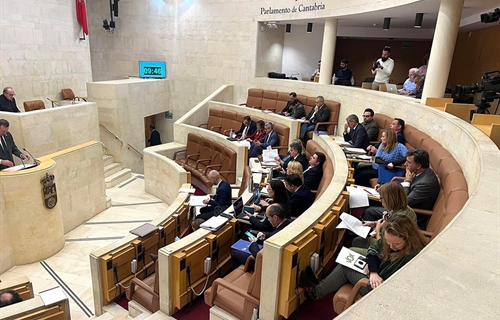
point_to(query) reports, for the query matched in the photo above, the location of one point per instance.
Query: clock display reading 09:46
(152, 70)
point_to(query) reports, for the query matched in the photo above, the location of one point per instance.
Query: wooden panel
(438, 103)
(460, 110)
(182, 220)
(115, 268)
(330, 222)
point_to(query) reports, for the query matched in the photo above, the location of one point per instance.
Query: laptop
(392, 88)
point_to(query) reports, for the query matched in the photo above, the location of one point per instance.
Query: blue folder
(243, 245)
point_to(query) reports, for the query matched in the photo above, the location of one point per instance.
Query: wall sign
(293, 9)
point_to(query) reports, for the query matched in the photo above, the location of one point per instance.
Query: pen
(367, 191)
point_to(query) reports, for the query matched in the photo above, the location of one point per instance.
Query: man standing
(421, 186)
(270, 139)
(370, 124)
(301, 197)
(248, 127)
(382, 69)
(344, 75)
(221, 199)
(155, 139)
(354, 133)
(316, 72)
(320, 113)
(7, 100)
(314, 173)
(409, 87)
(8, 147)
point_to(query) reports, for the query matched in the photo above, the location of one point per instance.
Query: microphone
(37, 162)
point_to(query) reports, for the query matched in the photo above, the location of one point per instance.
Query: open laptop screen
(238, 206)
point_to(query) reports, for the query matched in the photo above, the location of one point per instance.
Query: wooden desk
(370, 196)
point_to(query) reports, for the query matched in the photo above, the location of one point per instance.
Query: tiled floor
(130, 207)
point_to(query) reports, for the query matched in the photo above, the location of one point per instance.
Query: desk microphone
(37, 162)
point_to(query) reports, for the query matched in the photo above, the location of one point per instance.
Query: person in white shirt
(382, 69)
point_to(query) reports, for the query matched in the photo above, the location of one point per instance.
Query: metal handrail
(104, 147)
(130, 146)
(118, 138)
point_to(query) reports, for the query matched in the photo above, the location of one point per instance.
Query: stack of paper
(214, 223)
(187, 190)
(343, 143)
(260, 170)
(352, 223)
(269, 155)
(197, 201)
(357, 197)
(354, 150)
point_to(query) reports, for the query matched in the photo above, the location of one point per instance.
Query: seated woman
(277, 194)
(395, 201)
(259, 133)
(401, 242)
(390, 154)
(295, 168)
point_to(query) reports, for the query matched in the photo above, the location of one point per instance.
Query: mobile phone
(250, 235)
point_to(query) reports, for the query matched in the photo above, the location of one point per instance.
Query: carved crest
(49, 191)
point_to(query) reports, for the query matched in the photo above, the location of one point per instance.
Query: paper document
(268, 155)
(354, 150)
(357, 197)
(19, 167)
(269, 164)
(187, 190)
(52, 296)
(364, 157)
(352, 260)
(343, 143)
(352, 223)
(260, 170)
(370, 191)
(198, 200)
(214, 223)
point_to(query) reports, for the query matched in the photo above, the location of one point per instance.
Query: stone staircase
(113, 172)
(135, 312)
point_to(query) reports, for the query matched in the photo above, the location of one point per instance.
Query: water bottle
(255, 314)
(231, 133)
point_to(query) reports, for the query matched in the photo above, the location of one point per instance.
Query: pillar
(443, 46)
(328, 50)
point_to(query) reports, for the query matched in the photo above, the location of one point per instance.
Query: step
(108, 202)
(107, 159)
(112, 169)
(117, 178)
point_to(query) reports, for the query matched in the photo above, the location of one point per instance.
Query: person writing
(258, 134)
(277, 194)
(401, 242)
(8, 147)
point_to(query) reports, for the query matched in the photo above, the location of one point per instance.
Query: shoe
(154, 257)
(311, 275)
(308, 285)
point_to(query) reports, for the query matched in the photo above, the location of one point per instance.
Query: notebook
(144, 230)
(214, 223)
(392, 88)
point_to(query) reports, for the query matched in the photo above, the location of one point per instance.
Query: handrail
(104, 147)
(130, 146)
(116, 137)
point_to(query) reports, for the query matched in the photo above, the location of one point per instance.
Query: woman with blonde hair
(390, 154)
(295, 167)
(401, 242)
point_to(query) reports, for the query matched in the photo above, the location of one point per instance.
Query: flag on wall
(81, 15)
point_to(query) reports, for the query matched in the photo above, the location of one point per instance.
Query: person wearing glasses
(320, 113)
(401, 242)
(370, 124)
(7, 101)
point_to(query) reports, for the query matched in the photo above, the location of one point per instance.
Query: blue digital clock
(153, 69)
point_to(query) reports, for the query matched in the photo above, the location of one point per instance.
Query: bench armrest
(177, 152)
(355, 291)
(231, 287)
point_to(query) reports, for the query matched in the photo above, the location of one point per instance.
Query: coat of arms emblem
(49, 191)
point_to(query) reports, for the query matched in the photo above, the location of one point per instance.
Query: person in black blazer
(248, 127)
(296, 110)
(8, 147)
(270, 139)
(301, 197)
(314, 173)
(420, 184)
(221, 199)
(320, 113)
(155, 139)
(357, 135)
(294, 154)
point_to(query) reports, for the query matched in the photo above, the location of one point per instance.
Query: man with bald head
(7, 101)
(222, 197)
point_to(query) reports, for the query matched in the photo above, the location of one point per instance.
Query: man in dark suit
(155, 139)
(248, 127)
(291, 96)
(301, 197)
(354, 133)
(221, 199)
(398, 125)
(421, 186)
(294, 154)
(320, 113)
(296, 110)
(8, 147)
(7, 100)
(314, 173)
(270, 139)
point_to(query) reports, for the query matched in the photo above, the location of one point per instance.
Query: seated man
(222, 198)
(294, 154)
(296, 110)
(270, 139)
(398, 126)
(354, 133)
(276, 215)
(9, 297)
(370, 124)
(314, 173)
(344, 75)
(421, 186)
(409, 87)
(301, 198)
(320, 113)
(292, 96)
(248, 127)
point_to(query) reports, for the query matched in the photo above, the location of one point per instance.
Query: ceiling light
(419, 17)
(387, 23)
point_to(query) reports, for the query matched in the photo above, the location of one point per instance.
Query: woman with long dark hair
(277, 194)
